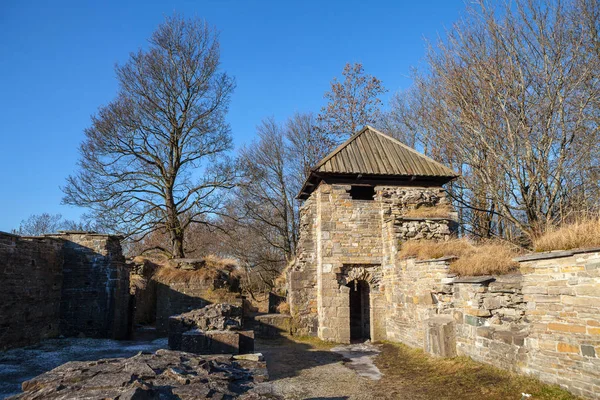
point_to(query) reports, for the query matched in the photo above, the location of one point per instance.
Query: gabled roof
(372, 153)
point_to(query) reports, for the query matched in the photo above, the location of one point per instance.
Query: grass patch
(424, 377)
(314, 342)
(441, 211)
(486, 258)
(582, 233)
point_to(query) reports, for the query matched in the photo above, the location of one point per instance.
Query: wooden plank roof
(372, 153)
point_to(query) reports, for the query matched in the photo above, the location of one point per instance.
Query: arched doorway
(360, 310)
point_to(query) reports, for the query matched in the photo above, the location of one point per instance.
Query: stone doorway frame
(372, 274)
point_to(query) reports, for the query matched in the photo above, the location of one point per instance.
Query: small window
(362, 192)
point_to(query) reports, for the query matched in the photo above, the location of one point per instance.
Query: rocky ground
(18, 365)
(165, 374)
(297, 368)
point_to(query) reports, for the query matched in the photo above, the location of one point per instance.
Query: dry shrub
(427, 249)
(486, 258)
(283, 308)
(582, 233)
(441, 211)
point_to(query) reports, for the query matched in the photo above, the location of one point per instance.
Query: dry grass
(584, 232)
(412, 374)
(209, 268)
(283, 308)
(441, 211)
(486, 258)
(137, 282)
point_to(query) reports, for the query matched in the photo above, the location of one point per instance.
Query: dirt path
(309, 370)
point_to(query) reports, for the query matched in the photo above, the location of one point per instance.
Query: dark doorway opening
(360, 311)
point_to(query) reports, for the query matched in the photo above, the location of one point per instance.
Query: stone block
(562, 347)
(588, 351)
(440, 339)
(217, 342)
(473, 320)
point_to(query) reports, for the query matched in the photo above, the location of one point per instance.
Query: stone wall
(302, 275)
(67, 284)
(344, 240)
(95, 291)
(31, 278)
(180, 297)
(562, 294)
(543, 321)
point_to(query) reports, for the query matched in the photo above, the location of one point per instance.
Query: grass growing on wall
(486, 258)
(442, 211)
(582, 233)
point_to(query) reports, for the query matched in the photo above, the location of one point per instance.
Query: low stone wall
(31, 278)
(543, 321)
(180, 297)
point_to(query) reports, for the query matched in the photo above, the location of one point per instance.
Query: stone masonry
(65, 284)
(543, 321)
(344, 240)
(31, 277)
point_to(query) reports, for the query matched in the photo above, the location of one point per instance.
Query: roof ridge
(409, 148)
(340, 148)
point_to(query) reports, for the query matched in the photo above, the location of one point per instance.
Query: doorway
(360, 311)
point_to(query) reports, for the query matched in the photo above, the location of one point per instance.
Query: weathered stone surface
(71, 283)
(163, 375)
(220, 316)
(272, 325)
(214, 329)
(440, 337)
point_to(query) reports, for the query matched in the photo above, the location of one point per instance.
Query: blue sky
(57, 67)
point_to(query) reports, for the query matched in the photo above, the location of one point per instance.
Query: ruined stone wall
(31, 278)
(489, 313)
(302, 275)
(181, 297)
(95, 291)
(414, 292)
(66, 284)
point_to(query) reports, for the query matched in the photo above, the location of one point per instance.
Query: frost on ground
(360, 358)
(18, 365)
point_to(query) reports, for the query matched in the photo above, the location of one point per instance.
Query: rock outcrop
(165, 374)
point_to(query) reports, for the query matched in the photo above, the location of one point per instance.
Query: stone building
(358, 203)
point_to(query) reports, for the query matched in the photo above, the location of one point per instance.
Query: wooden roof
(372, 153)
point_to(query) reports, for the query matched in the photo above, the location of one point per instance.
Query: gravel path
(306, 371)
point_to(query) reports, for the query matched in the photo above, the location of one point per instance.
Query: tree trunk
(177, 243)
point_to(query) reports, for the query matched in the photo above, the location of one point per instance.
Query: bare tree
(510, 100)
(39, 224)
(307, 143)
(352, 103)
(268, 191)
(155, 158)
